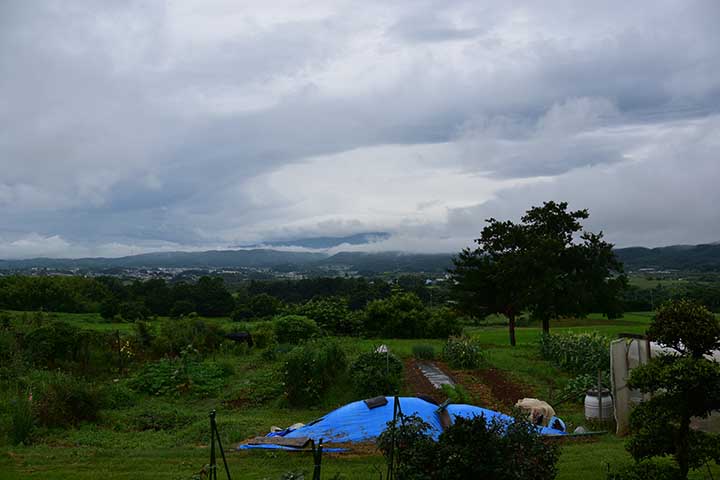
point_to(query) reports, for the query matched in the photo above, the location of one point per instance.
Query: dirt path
(489, 387)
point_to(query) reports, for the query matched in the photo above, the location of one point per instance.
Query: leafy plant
(578, 353)
(310, 369)
(470, 448)
(295, 329)
(22, 420)
(61, 400)
(376, 374)
(423, 352)
(463, 353)
(177, 376)
(457, 394)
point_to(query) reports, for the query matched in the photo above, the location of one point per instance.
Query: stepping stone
(437, 377)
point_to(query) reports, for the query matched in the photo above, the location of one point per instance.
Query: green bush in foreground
(376, 374)
(310, 369)
(470, 448)
(463, 353)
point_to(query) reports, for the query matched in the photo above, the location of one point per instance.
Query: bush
(576, 387)
(310, 369)
(61, 400)
(579, 353)
(463, 353)
(400, 316)
(443, 323)
(332, 314)
(470, 448)
(264, 336)
(22, 420)
(175, 335)
(412, 445)
(423, 352)
(376, 374)
(295, 329)
(182, 308)
(178, 376)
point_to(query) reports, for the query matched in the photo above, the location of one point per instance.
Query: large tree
(546, 265)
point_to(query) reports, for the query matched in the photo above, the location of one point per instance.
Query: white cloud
(191, 124)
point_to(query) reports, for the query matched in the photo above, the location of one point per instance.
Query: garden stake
(317, 458)
(214, 433)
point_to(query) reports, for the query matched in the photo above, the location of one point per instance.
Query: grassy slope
(112, 450)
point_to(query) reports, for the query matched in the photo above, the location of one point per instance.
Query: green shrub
(117, 395)
(443, 323)
(401, 316)
(376, 374)
(470, 448)
(578, 353)
(178, 376)
(463, 353)
(412, 446)
(177, 334)
(295, 329)
(423, 352)
(263, 335)
(332, 314)
(577, 386)
(655, 469)
(310, 369)
(61, 400)
(22, 420)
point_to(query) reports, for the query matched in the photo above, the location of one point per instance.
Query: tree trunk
(546, 325)
(511, 326)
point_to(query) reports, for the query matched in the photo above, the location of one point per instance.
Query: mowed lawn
(111, 450)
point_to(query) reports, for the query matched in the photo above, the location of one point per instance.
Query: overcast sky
(128, 127)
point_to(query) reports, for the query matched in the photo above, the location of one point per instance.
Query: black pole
(317, 458)
(213, 463)
(222, 452)
(391, 463)
(215, 434)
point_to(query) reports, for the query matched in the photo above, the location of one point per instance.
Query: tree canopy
(546, 265)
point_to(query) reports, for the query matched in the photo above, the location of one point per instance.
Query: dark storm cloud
(125, 123)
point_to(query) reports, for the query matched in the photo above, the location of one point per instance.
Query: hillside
(704, 258)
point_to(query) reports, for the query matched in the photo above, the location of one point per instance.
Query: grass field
(111, 449)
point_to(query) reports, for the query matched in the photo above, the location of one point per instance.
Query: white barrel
(598, 404)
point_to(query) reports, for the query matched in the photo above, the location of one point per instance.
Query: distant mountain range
(679, 257)
(676, 257)
(325, 242)
(257, 258)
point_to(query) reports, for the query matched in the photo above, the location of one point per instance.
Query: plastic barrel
(598, 404)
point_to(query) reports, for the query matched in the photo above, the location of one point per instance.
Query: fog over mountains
(678, 257)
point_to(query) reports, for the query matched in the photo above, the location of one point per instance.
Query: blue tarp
(355, 422)
(470, 411)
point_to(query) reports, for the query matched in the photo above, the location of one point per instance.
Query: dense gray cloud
(135, 126)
